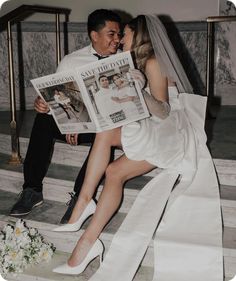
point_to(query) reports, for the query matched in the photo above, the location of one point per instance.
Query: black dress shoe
(29, 199)
(70, 208)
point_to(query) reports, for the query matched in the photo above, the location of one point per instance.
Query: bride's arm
(157, 83)
(157, 102)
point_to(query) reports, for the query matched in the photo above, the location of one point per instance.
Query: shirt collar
(93, 51)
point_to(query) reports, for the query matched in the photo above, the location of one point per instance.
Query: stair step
(65, 154)
(43, 272)
(58, 190)
(47, 216)
(65, 242)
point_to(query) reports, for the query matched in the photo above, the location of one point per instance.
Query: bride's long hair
(150, 40)
(141, 46)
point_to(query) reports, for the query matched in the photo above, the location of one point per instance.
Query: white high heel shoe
(88, 211)
(96, 250)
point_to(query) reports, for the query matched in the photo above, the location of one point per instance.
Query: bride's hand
(139, 77)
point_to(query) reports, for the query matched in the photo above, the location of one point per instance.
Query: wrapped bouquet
(21, 246)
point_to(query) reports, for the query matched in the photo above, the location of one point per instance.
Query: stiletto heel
(96, 250)
(101, 258)
(88, 211)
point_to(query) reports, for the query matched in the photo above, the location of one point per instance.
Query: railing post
(15, 156)
(58, 41)
(210, 59)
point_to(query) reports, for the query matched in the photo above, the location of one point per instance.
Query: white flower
(45, 252)
(33, 231)
(8, 230)
(20, 229)
(21, 246)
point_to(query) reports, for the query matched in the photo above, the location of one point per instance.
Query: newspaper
(93, 98)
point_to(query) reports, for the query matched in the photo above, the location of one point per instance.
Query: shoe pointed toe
(63, 269)
(96, 250)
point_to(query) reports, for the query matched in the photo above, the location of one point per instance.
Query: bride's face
(118, 81)
(127, 38)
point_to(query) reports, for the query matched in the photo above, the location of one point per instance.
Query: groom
(104, 32)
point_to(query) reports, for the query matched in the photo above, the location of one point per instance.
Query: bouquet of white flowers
(21, 246)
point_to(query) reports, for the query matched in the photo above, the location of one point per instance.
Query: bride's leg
(97, 164)
(117, 173)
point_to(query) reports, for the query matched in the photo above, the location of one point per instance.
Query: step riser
(63, 153)
(75, 155)
(57, 190)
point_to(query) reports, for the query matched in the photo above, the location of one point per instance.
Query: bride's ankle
(78, 210)
(80, 251)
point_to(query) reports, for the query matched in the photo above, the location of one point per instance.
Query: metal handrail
(210, 50)
(221, 18)
(26, 10)
(12, 17)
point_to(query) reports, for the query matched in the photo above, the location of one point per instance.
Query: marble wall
(225, 56)
(35, 55)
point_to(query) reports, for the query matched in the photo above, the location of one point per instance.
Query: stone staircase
(59, 181)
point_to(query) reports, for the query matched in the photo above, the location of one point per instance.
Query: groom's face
(104, 82)
(106, 41)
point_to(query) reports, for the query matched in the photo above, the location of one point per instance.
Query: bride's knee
(110, 137)
(103, 137)
(113, 174)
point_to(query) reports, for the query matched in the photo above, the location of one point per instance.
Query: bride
(177, 203)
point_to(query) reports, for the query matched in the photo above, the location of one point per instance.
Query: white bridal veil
(166, 55)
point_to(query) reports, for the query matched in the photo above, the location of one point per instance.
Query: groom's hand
(72, 139)
(40, 105)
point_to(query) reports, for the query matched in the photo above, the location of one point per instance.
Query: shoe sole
(23, 214)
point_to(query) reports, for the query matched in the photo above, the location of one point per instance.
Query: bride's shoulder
(151, 61)
(152, 65)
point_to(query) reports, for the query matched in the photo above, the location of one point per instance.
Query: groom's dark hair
(97, 19)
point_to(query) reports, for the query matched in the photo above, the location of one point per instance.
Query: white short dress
(160, 142)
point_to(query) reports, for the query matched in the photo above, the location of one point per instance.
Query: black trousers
(40, 149)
